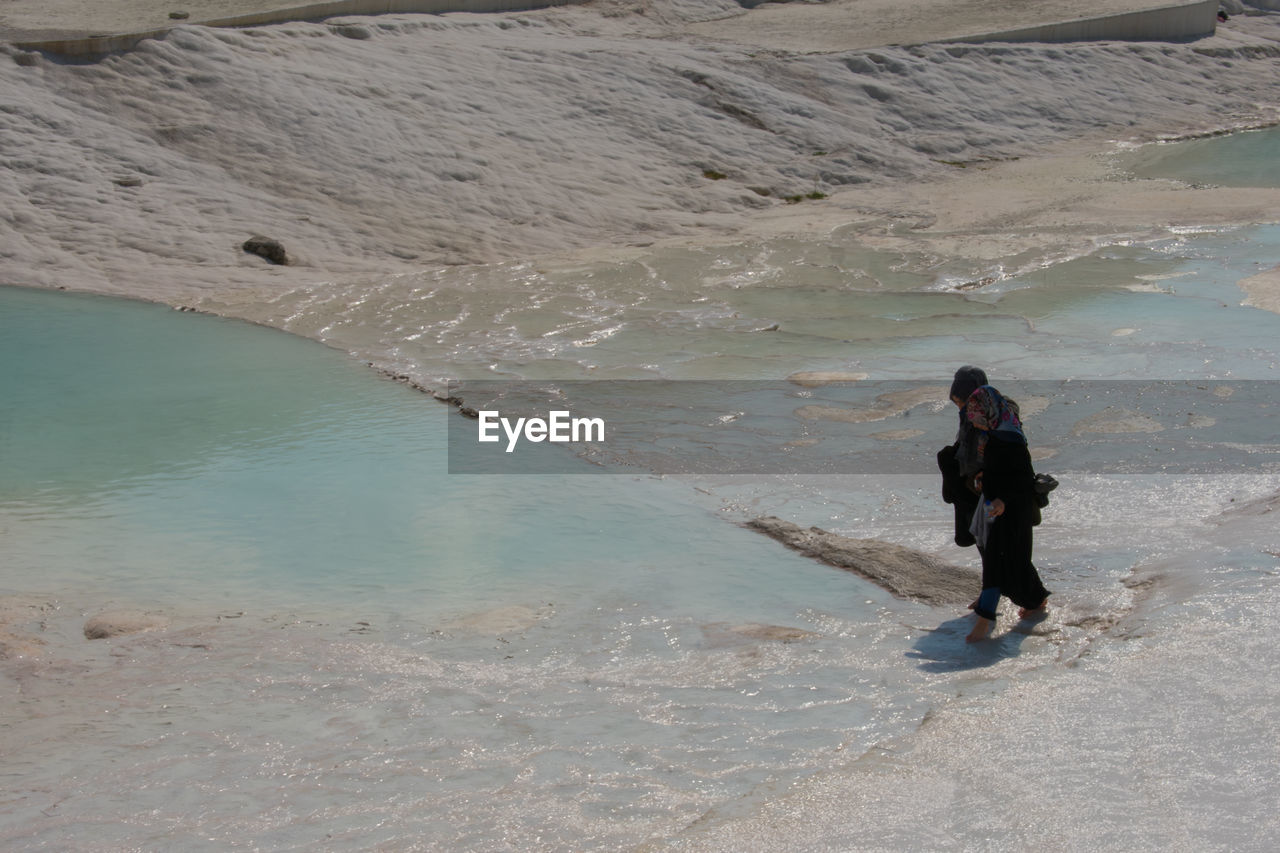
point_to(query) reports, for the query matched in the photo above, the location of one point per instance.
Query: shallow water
(1166, 308)
(295, 509)
(1245, 159)
(188, 457)
(372, 653)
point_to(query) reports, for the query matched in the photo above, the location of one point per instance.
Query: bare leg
(981, 630)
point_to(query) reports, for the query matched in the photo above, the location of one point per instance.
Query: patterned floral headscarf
(994, 414)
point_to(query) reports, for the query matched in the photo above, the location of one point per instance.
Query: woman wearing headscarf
(959, 462)
(1004, 524)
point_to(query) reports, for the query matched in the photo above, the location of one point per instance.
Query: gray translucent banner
(816, 424)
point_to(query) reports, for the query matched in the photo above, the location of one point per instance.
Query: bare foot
(974, 606)
(1035, 612)
(981, 630)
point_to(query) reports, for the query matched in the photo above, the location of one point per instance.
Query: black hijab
(967, 380)
(968, 455)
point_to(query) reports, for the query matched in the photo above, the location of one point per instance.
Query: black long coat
(1006, 560)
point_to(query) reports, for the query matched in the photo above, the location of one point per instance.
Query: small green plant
(814, 195)
(712, 174)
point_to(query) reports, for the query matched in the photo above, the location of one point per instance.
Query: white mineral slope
(377, 145)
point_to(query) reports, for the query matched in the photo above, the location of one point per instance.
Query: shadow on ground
(943, 649)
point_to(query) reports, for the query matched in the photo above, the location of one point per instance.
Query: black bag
(1042, 485)
(951, 481)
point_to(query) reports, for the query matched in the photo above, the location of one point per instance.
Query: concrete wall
(97, 45)
(1167, 23)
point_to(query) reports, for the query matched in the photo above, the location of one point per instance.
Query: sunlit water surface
(371, 652)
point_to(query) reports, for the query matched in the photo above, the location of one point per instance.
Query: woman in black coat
(959, 462)
(1008, 502)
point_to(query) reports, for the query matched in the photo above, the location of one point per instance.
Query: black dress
(1006, 560)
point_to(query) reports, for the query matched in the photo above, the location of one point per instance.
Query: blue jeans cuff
(987, 603)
